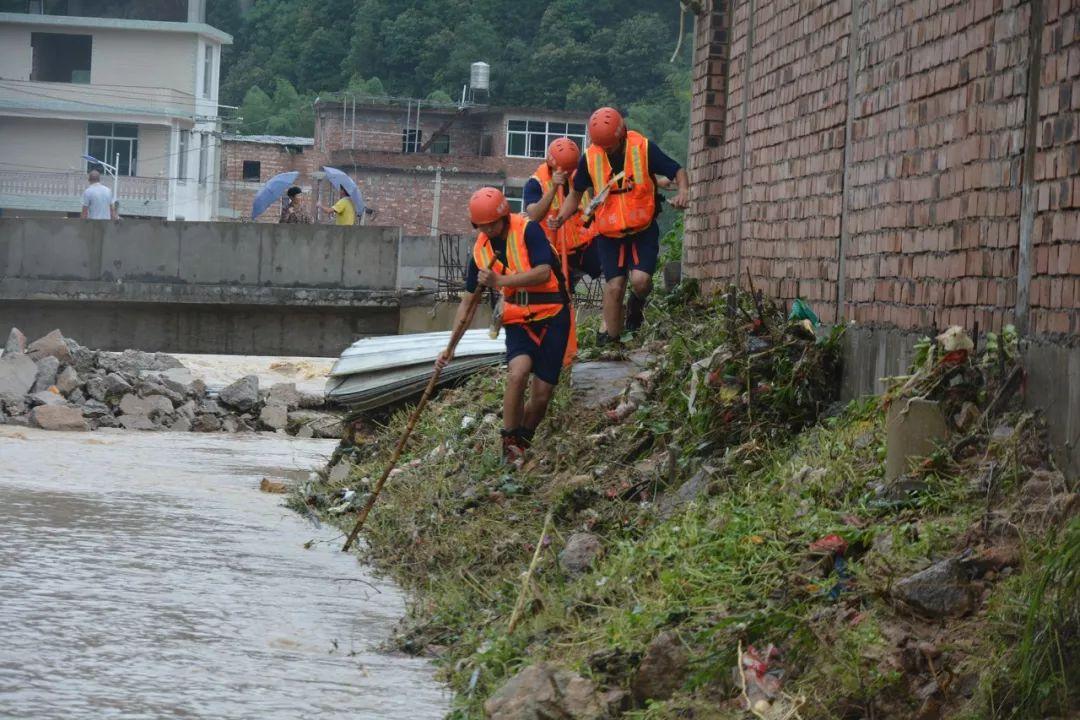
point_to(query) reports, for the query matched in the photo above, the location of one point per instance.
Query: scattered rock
(46, 397)
(319, 424)
(148, 387)
(941, 590)
(663, 669)
(117, 386)
(95, 409)
(242, 394)
(284, 394)
(580, 552)
(340, 472)
(16, 342)
(180, 424)
(47, 368)
(58, 417)
(274, 416)
(232, 424)
(689, 491)
(136, 362)
(84, 360)
(212, 407)
(107, 421)
(18, 420)
(187, 410)
(543, 692)
(52, 345)
(135, 405)
(96, 388)
(76, 397)
(206, 422)
(137, 422)
(178, 379)
(67, 381)
(271, 486)
(17, 375)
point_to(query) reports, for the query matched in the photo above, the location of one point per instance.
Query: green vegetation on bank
(756, 513)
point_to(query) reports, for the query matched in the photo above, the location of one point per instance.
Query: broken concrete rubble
(142, 391)
(58, 417)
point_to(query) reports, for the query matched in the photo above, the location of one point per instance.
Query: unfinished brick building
(416, 162)
(904, 165)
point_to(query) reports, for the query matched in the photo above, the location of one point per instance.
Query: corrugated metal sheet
(374, 372)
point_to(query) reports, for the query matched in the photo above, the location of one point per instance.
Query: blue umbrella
(275, 187)
(340, 180)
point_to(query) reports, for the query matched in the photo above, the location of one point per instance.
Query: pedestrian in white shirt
(97, 200)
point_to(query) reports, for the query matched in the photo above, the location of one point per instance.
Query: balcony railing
(69, 184)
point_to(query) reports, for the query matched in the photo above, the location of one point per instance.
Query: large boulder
(16, 342)
(17, 374)
(180, 380)
(46, 397)
(117, 386)
(544, 692)
(134, 405)
(312, 423)
(206, 422)
(150, 386)
(941, 590)
(137, 362)
(242, 394)
(47, 368)
(52, 345)
(663, 669)
(274, 416)
(58, 417)
(284, 394)
(68, 381)
(84, 360)
(96, 388)
(137, 422)
(580, 553)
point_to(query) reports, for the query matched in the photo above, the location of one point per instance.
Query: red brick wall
(925, 146)
(273, 159)
(1055, 285)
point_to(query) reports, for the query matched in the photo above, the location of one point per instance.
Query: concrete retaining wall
(200, 287)
(1053, 384)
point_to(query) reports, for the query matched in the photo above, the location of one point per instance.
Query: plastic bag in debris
(800, 310)
(759, 673)
(718, 357)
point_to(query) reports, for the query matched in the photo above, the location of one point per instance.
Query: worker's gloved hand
(444, 359)
(488, 278)
(558, 178)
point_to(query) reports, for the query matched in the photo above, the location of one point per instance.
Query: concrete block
(219, 253)
(914, 429)
(145, 251)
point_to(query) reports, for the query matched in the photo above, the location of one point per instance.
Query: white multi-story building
(137, 89)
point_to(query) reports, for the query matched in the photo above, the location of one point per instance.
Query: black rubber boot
(635, 312)
(525, 435)
(602, 339)
(513, 450)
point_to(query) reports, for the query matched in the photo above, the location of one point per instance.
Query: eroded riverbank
(144, 575)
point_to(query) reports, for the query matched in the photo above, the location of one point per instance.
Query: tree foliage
(559, 54)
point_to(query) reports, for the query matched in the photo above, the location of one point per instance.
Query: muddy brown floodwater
(143, 575)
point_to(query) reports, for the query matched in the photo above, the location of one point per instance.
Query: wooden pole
(515, 616)
(455, 337)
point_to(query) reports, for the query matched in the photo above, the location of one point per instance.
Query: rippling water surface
(143, 575)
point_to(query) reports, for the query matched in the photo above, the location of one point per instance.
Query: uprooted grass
(732, 566)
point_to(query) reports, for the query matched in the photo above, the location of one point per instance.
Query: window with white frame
(208, 71)
(514, 198)
(104, 141)
(530, 138)
(183, 146)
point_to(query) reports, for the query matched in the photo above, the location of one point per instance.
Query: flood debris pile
(56, 384)
(725, 542)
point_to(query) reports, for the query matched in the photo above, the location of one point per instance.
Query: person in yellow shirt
(343, 211)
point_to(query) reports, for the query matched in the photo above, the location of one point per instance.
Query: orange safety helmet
(487, 205)
(564, 154)
(606, 128)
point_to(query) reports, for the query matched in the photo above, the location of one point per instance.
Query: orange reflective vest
(573, 235)
(631, 205)
(518, 307)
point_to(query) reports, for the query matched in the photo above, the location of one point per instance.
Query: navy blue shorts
(586, 261)
(618, 256)
(547, 357)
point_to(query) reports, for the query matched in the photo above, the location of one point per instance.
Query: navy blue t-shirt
(536, 244)
(659, 164)
(531, 193)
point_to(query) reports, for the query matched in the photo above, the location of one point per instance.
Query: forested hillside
(572, 54)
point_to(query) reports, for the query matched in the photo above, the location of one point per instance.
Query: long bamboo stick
(455, 337)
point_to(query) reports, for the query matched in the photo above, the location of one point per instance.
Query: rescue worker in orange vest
(628, 238)
(543, 196)
(514, 255)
